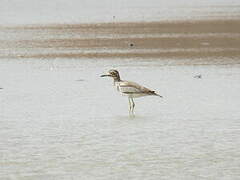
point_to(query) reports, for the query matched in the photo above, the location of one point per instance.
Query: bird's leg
(130, 106)
(133, 105)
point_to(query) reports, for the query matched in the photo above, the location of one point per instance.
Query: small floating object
(131, 44)
(80, 80)
(1, 88)
(199, 76)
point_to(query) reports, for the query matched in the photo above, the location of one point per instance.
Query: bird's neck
(117, 79)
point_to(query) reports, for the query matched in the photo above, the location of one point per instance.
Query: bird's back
(133, 89)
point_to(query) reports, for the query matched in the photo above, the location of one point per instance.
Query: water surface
(60, 120)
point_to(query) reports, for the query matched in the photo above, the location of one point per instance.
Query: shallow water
(60, 120)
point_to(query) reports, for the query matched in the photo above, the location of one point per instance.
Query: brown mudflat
(172, 39)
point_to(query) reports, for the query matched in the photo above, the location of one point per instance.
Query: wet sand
(158, 40)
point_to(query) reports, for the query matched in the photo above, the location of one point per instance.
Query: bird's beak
(105, 75)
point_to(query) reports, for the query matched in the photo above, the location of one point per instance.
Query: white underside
(136, 95)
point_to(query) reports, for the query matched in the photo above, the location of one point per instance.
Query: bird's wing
(132, 87)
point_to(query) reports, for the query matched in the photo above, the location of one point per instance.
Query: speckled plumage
(130, 89)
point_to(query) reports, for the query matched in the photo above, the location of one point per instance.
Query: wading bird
(130, 89)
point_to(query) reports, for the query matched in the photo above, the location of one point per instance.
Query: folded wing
(132, 87)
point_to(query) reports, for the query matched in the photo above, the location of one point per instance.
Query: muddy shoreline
(176, 39)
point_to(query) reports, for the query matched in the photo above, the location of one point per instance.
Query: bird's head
(112, 73)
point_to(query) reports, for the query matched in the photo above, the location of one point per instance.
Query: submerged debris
(199, 76)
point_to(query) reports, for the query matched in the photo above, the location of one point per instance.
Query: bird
(129, 89)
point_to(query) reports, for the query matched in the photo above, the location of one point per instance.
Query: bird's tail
(155, 94)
